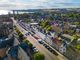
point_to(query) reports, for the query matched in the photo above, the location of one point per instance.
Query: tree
(78, 47)
(75, 37)
(21, 35)
(39, 56)
(27, 42)
(30, 45)
(49, 28)
(44, 23)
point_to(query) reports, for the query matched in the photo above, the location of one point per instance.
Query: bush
(21, 36)
(30, 44)
(78, 47)
(27, 42)
(49, 28)
(39, 56)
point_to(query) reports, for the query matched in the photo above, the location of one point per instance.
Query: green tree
(39, 56)
(49, 28)
(27, 42)
(30, 44)
(21, 36)
(44, 24)
(78, 47)
(75, 37)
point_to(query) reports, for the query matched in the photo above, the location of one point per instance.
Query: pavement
(41, 48)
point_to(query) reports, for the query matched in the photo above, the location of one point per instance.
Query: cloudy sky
(33, 4)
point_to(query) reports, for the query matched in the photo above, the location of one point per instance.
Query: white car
(40, 41)
(35, 49)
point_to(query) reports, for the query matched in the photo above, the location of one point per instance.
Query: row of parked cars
(49, 48)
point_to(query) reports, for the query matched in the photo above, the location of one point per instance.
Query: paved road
(42, 49)
(48, 55)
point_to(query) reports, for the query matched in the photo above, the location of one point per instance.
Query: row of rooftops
(63, 39)
(5, 19)
(13, 51)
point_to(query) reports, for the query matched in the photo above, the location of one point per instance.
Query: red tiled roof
(57, 41)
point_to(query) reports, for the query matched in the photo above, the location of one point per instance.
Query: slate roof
(13, 51)
(4, 43)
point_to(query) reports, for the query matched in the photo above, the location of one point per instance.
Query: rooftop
(68, 36)
(4, 42)
(57, 41)
(13, 51)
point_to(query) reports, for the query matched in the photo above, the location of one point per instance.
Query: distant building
(66, 26)
(73, 26)
(57, 29)
(6, 27)
(6, 35)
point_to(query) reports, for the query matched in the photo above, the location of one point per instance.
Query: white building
(62, 49)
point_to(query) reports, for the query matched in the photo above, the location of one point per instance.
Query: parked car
(50, 50)
(45, 45)
(48, 47)
(55, 53)
(34, 49)
(40, 41)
